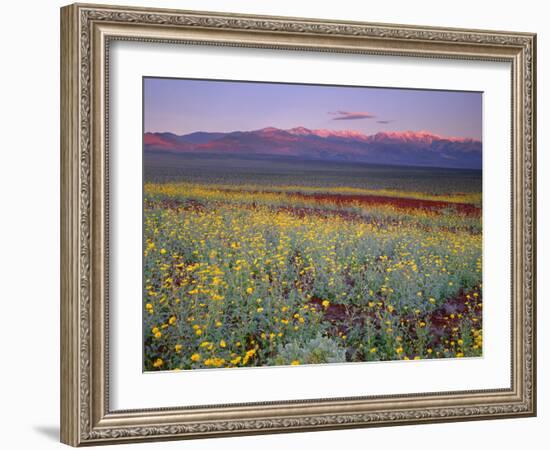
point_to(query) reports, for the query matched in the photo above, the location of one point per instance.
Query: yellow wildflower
(158, 362)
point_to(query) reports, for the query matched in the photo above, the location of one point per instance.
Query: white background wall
(29, 222)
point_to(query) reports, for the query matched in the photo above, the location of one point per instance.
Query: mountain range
(410, 148)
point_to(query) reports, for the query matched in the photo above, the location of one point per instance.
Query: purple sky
(183, 106)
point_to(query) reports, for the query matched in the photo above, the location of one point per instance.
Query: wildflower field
(302, 267)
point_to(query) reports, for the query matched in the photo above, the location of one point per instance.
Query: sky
(183, 106)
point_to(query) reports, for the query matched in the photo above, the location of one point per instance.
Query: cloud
(384, 121)
(355, 115)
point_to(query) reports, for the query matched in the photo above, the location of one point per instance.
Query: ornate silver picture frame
(87, 33)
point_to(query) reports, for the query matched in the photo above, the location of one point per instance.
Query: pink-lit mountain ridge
(419, 148)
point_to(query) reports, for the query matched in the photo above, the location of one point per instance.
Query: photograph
(289, 220)
(293, 224)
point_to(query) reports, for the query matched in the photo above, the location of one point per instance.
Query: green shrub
(319, 350)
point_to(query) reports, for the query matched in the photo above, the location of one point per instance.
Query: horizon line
(326, 130)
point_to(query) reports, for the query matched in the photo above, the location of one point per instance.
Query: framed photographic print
(274, 224)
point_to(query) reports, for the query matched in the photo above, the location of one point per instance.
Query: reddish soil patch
(305, 212)
(349, 215)
(380, 200)
(334, 312)
(174, 204)
(441, 321)
(399, 202)
(451, 313)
